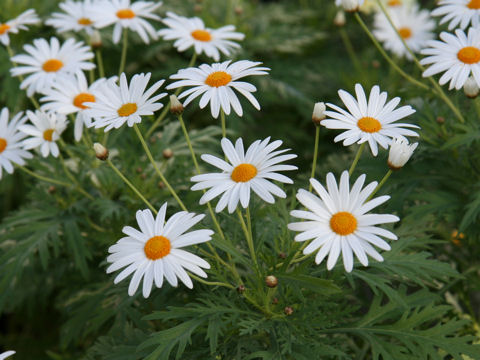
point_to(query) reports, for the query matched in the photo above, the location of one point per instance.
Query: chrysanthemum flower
(6, 354)
(128, 15)
(154, 252)
(458, 13)
(414, 26)
(45, 131)
(190, 32)
(457, 56)
(216, 83)
(77, 16)
(46, 61)
(116, 104)
(248, 171)
(338, 221)
(28, 17)
(11, 145)
(68, 95)
(373, 120)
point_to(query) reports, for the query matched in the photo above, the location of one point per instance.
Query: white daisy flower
(11, 142)
(373, 120)
(338, 221)
(68, 95)
(216, 83)
(458, 13)
(457, 56)
(414, 26)
(188, 32)
(350, 5)
(117, 104)
(77, 16)
(46, 61)
(248, 171)
(400, 152)
(45, 131)
(6, 354)
(154, 252)
(127, 15)
(28, 17)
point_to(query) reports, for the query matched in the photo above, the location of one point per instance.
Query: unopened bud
(282, 255)
(351, 5)
(275, 301)
(238, 10)
(241, 289)
(471, 88)
(440, 120)
(400, 153)
(339, 19)
(52, 189)
(101, 152)
(167, 153)
(271, 281)
(176, 106)
(318, 113)
(161, 185)
(288, 310)
(96, 40)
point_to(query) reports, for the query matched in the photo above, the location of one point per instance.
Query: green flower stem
(438, 88)
(357, 157)
(224, 128)
(211, 283)
(248, 236)
(124, 52)
(72, 178)
(351, 52)
(131, 186)
(101, 71)
(315, 155)
(43, 178)
(152, 161)
(385, 55)
(380, 184)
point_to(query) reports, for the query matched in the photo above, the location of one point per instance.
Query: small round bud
(351, 5)
(471, 88)
(288, 310)
(440, 120)
(339, 19)
(241, 289)
(139, 170)
(282, 255)
(238, 10)
(318, 113)
(176, 106)
(400, 153)
(96, 40)
(161, 185)
(167, 153)
(375, 64)
(143, 176)
(101, 152)
(52, 189)
(197, 8)
(271, 281)
(275, 301)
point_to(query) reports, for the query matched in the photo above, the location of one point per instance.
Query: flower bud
(400, 153)
(176, 106)
(339, 19)
(318, 113)
(96, 40)
(101, 152)
(351, 5)
(288, 310)
(167, 153)
(241, 289)
(271, 281)
(471, 88)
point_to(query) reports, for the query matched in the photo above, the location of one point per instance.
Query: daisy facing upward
(76, 16)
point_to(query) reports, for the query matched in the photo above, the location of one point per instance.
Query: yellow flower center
(369, 124)
(125, 14)
(127, 109)
(201, 35)
(52, 65)
(3, 145)
(469, 55)
(343, 223)
(157, 247)
(394, 3)
(47, 134)
(4, 28)
(405, 32)
(218, 78)
(81, 98)
(474, 4)
(84, 21)
(243, 173)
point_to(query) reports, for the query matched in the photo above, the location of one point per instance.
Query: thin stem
(211, 283)
(357, 157)
(131, 186)
(351, 52)
(43, 178)
(224, 128)
(315, 154)
(380, 184)
(124, 52)
(101, 71)
(72, 178)
(152, 161)
(248, 238)
(385, 55)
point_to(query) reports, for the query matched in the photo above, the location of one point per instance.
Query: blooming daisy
(155, 251)
(77, 16)
(116, 104)
(246, 171)
(190, 32)
(457, 55)
(338, 221)
(28, 17)
(68, 95)
(11, 146)
(459, 13)
(414, 26)
(126, 15)
(46, 61)
(373, 120)
(6, 354)
(216, 83)
(45, 131)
